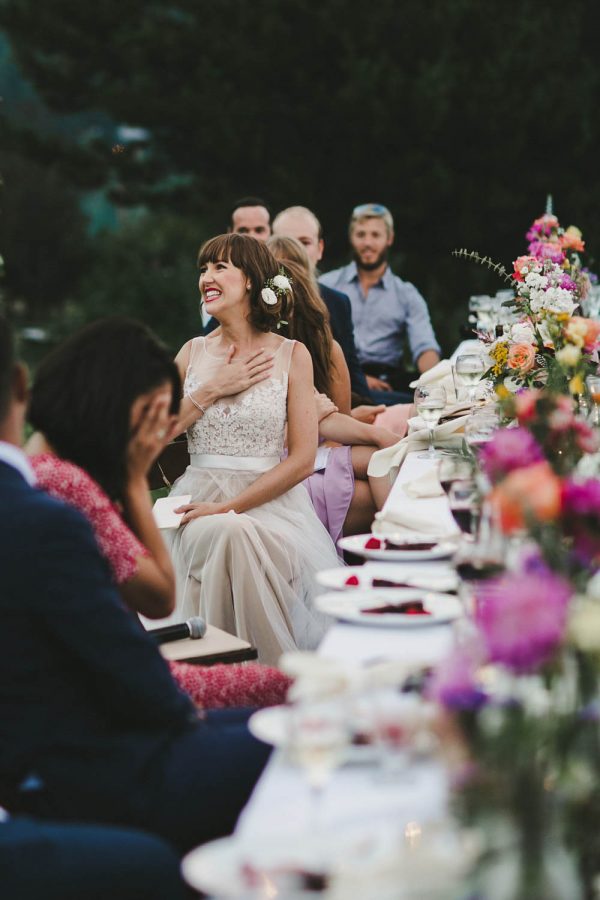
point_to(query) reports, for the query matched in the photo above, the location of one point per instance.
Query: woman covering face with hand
(104, 404)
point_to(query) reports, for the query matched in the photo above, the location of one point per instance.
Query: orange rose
(521, 357)
(530, 493)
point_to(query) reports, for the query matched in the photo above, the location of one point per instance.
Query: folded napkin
(406, 518)
(389, 460)
(440, 374)
(427, 485)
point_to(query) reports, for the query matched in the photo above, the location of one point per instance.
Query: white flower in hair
(269, 296)
(282, 282)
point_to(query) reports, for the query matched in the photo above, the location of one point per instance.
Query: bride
(250, 542)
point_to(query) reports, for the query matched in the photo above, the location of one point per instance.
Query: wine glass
(479, 429)
(319, 734)
(462, 497)
(469, 368)
(430, 402)
(593, 386)
(453, 468)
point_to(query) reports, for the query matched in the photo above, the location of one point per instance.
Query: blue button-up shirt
(391, 309)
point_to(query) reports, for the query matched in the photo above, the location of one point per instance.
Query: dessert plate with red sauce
(398, 547)
(403, 609)
(387, 577)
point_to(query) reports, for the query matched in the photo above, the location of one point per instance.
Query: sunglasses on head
(370, 209)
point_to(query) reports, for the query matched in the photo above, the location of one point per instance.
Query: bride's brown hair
(308, 318)
(258, 264)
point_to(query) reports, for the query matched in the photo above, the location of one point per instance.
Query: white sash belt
(241, 463)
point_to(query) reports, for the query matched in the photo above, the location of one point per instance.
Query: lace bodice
(251, 423)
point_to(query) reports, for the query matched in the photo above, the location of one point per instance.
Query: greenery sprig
(485, 261)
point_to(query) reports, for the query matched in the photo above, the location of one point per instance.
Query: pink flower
(509, 449)
(525, 405)
(521, 357)
(522, 617)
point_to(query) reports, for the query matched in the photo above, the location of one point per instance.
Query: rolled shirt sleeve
(419, 329)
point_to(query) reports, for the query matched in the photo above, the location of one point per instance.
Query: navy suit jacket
(340, 316)
(83, 688)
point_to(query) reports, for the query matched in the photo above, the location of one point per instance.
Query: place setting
(398, 547)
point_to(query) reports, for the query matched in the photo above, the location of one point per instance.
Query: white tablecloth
(279, 804)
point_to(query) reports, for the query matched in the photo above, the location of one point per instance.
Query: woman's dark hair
(308, 317)
(258, 264)
(83, 392)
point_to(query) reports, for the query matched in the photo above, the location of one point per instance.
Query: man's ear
(321, 249)
(391, 238)
(21, 384)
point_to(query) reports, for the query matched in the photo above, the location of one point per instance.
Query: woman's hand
(367, 414)
(196, 510)
(325, 406)
(241, 373)
(152, 428)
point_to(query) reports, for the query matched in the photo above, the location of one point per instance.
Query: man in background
(251, 215)
(385, 309)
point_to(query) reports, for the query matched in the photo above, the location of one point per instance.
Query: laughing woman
(250, 542)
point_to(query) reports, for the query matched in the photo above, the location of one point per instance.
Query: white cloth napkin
(406, 518)
(427, 485)
(389, 460)
(440, 374)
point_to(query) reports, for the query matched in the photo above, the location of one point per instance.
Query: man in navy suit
(92, 726)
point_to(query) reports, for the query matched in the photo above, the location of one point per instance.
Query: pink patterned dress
(246, 684)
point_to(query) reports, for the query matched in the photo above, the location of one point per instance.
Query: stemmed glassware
(469, 369)
(430, 402)
(319, 734)
(593, 386)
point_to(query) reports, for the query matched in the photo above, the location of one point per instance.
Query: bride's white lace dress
(251, 574)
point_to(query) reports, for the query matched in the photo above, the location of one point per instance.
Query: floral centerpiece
(523, 688)
(549, 343)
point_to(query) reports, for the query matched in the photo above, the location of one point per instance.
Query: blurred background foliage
(130, 128)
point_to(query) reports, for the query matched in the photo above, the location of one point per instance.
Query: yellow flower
(502, 392)
(576, 384)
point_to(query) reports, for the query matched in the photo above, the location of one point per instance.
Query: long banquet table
(280, 802)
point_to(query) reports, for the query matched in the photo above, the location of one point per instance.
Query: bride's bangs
(217, 249)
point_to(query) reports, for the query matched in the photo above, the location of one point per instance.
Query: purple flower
(567, 283)
(510, 448)
(454, 683)
(522, 618)
(581, 517)
(546, 250)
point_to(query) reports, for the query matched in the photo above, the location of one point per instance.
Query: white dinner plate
(350, 606)
(336, 579)
(238, 867)
(272, 726)
(443, 548)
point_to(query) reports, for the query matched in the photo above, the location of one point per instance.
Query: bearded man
(385, 309)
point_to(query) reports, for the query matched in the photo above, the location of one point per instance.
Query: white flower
(280, 281)
(511, 384)
(569, 355)
(534, 280)
(269, 296)
(522, 333)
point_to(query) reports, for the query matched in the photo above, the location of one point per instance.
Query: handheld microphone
(193, 628)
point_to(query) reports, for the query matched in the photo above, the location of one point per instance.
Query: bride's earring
(248, 285)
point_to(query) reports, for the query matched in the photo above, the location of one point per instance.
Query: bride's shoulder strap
(196, 349)
(286, 351)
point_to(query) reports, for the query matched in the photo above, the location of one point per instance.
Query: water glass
(430, 402)
(592, 383)
(469, 369)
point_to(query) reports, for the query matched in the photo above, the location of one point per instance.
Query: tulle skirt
(252, 574)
